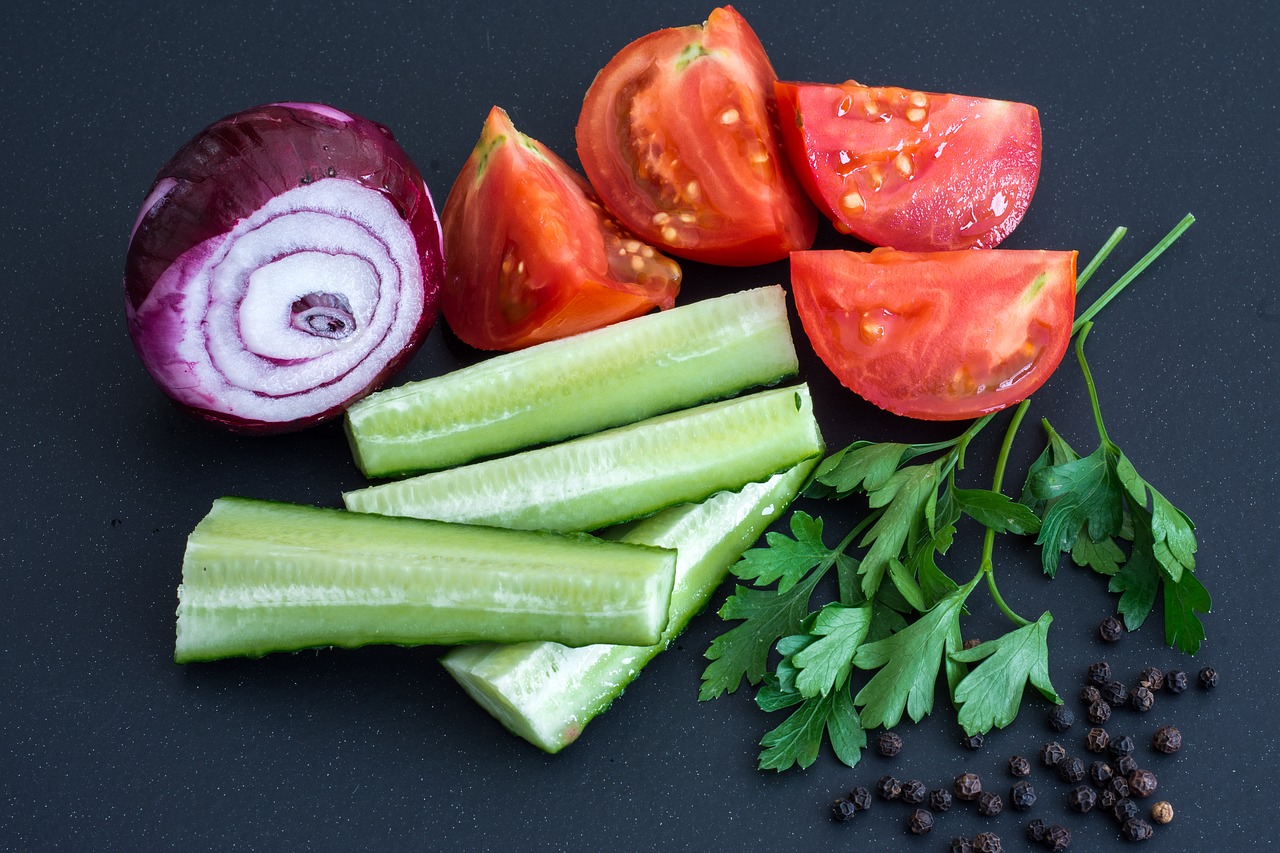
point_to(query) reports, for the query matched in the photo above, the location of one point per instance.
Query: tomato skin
(678, 134)
(938, 335)
(917, 171)
(531, 255)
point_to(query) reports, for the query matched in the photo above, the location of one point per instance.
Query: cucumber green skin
(263, 576)
(623, 373)
(547, 693)
(614, 476)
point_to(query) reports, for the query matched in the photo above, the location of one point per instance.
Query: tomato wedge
(678, 135)
(531, 253)
(938, 335)
(918, 171)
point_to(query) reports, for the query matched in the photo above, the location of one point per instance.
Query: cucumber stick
(613, 476)
(578, 385)
(262, 576)
(546, 692)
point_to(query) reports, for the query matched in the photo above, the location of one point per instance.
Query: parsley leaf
(743, 650)
(1139, 582)
(1104, 556)
(1081, 495)
(827, 661)
(989, 696)
(862, 466)
(797, 740)
(994, 510)
(1173, 539)
(786, 559)
(908, 664)
(909, 499)
(769, 614)
(934, 583)
(1182, 628)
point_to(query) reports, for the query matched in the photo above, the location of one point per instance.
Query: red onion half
(285, 263)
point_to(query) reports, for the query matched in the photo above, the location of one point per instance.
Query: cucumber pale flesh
(623, 373)
(547, 693)
(262, 576)
(617, 475)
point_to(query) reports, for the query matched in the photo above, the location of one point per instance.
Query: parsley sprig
(874, 653)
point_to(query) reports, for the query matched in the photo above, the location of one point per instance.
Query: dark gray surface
(1149, 111)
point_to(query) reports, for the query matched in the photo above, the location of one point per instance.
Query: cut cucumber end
(264, 576)
(617, 475)
(547, 693)
(605, 378)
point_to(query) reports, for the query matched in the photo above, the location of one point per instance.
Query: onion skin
(285, 262)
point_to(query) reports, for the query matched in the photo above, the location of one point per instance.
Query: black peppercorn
(1022, 796)
(1176, 681)
(1082, 799)
(987, 842)
(1141, 699)
(1099, 673)
(990, 804)
(1051, 753)
(1111, 629)
(861, 798)
(889, 788)
(1097, 740)
(1057, 837)
(1061, 718)
(1125, 765)
(1114, 693)
(1071, 769)
(961, 845)
(888, 744)
(940, 800)
(974, 741)
(1208, 678)
(842, 810)
(914, 792)
(967, 786)
(1100, 773)
(1151, 678)
(1124, 809)
(1019, 767)
(1120, 786)
(1167, 739)
(920, 822)
(1036, 831)
(1122, 745)
(1136, 829)
(1107, 799)
(971, 643)
(1090, 694)
(1099, 713)
(1142, 783)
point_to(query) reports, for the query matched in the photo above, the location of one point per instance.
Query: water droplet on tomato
(999, 203)
(877, 324)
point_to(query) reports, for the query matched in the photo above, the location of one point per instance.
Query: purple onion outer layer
(285, 263)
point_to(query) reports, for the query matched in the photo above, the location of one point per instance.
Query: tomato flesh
(917, 171)
(678, 135)
(531, 253)
(937, 335)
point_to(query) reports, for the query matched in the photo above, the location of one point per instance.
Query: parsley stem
(961, 441)
(1114, 290)
(1089, 384)
(1092, 267)
(989, 538)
